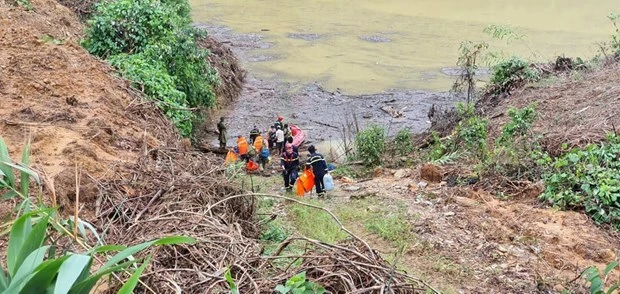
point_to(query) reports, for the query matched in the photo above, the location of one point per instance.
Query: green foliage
(511, 73)
(521, 121)
(402, 143)
(298, 284)
(33, 267)
(231, 282)
(503, 32)
(153, 44)
(391, 227)
(517, 152)
(315, 224)
(469, 55)
(588, 178)
(29, 271)
(472, 131)
(370, 145)
(597, 279)
(25, 4)
(127, 26)
(615, 37)
(153, 79)
(274, 232)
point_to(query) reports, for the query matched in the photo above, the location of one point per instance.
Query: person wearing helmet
(279, 123)
(253, 134)
(316, 161)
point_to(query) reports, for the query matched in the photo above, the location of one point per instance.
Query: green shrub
(597, 279)
(153, 79)
(471, 131)
(588, 178)
(402, 142)
(370, 145)
(299, 284)
(520, 123)
(512, 72)
(127, 26)
(153, 44)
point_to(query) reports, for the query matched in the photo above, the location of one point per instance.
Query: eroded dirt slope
(69, 103)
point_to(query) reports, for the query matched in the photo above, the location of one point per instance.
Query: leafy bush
(155, 82)
(597, 280)
(512, 72)
(370, 145)
(471, 130)
(127, 26)
(152, 43)
(588, 178)
(402, 143)
(517, 153)
(298, 284)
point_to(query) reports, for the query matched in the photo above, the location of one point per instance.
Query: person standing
(272, 138)
(317, 162)
(242, 148)
(279, 122)
(253, 133)
(258, 142)
(279, 139)
(221, 130)
(289, 161)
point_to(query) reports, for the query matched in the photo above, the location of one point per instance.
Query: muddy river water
(366, 46)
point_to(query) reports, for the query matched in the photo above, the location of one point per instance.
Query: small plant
(512, 73)
(393, 227)
(615, 37)
(472, 131)
(589, 179)
(597, 280)
(521, 121)
(370, 145)
(273, 232)
(402, 142)
(470, 54)
(298, 284)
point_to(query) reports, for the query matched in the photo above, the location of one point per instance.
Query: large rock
(402, 173)
(431, 173)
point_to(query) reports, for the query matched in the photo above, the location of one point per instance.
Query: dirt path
(465, 241)
(321, 113)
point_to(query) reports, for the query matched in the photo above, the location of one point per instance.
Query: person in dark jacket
(289, 140)
(255, 132)
(319, 167)
(289, 161)
(221, 130)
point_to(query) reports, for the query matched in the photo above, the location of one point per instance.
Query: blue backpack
(264, 153)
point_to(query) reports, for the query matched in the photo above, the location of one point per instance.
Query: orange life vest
(258, 143)
(243, 146)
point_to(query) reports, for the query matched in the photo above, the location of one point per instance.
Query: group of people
(280, 140)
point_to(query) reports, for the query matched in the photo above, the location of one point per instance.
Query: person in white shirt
(279, 139)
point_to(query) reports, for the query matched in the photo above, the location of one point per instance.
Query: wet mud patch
(321, 113)
(305, 36)
(375, 39)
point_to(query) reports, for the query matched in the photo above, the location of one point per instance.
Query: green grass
(314, 223)
(394, 228)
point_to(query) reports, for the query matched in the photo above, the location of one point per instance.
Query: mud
(376, 39)
(319, 112)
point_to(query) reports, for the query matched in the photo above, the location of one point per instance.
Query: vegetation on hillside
(153, 44)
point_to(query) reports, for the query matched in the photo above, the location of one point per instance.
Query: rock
(606, 255)
(431, 173)
(449, 213)
(347, 180)
(463, 201)
(422, 184)
(352, 188)
(502, 249)
(402, 173)
(367, 115)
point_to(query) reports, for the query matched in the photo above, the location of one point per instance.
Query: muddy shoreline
(321, 113)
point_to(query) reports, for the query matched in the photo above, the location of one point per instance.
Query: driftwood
(392, 111)
(209, 149)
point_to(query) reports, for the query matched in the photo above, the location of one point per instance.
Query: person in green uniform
(221, 129)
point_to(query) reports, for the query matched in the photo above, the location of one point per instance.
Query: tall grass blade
(44, 276)
(26, 270)
(30, 172)
(33, 241)
(24, 180)
(88, 282)
(135, 277)
(19, 232)
(4, 280)
(6, 170)
(70, 271)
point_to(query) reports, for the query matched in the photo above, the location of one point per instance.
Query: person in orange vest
(242, 147)
(258, 142)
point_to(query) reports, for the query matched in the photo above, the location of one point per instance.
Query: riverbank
(320, 112)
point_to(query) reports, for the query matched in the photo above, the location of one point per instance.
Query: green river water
(410, 40)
